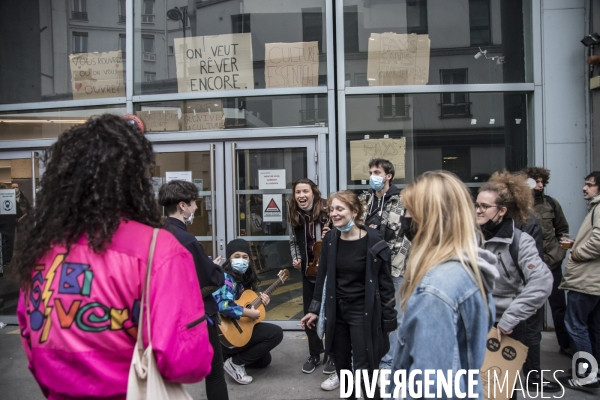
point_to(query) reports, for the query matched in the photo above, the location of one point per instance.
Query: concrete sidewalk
(283, 379)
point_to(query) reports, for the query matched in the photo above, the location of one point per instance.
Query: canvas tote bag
(145, 381)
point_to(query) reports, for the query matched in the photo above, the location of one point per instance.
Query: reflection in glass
(38, 65)
(157, 35)
(14, 174)
(234, 113)
(470, 134)
(495, 27)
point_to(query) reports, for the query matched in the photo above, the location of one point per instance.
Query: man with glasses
(582, 280)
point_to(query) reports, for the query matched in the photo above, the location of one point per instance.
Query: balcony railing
(79, 15)
(149, 57)
(455, 110)
(147, 19)
(394, 112)
(312, 116)
(122, 19)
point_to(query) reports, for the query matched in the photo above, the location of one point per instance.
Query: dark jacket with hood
(380, 315)
(384, 215)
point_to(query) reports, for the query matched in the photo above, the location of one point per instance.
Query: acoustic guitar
(237, 332)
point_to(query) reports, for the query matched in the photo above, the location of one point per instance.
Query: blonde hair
(444, 217)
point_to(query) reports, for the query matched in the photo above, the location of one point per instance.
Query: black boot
(534, 382)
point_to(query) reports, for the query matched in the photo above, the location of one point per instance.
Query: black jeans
(256, 353)
(533, 339)
(315, 345)
(558, 306)
(216, 387)
(349, 347)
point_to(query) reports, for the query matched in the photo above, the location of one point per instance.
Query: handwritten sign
(362, 151)
(204, 115)
(398, 59)
(97, 75)
(291, 64)
(160, 120)
(207, 63)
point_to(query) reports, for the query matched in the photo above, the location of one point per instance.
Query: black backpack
(533, 228)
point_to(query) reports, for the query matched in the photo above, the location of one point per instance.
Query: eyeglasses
(483, 206)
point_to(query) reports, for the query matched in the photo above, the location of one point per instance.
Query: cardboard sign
(398, 59)
(362, 151)
(178, 176)
(271, 179)
(8, 202)
(272, 211)
(160, 120)
(97, 75)
(291, 64)
(208, 63)
(204, 115)
(502, 363)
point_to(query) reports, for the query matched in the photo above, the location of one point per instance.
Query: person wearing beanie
(240, 275)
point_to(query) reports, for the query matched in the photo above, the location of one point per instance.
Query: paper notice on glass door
(178, 176)
(271, 179)
(272, 208)
(8, 202)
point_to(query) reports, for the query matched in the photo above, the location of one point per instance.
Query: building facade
(243, 97)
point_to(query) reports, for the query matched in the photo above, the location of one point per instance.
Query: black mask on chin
(408, 229)
(490, 228)
(538, 194)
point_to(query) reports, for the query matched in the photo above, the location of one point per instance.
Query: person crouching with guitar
(308, 217)
(240, 275)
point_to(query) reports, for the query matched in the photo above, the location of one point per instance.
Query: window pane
(61, 52)
(278, 44)
(148, 7)
(378, 32)
(472, 140)
(233, 113)
(47, 123)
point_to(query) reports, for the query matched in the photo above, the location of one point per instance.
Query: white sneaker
(331, 383)
(238, 372)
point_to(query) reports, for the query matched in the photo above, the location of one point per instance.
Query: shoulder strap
(513, 248)
(145, 302)
(551, 202)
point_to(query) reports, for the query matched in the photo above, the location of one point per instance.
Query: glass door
(19, 180)
(260, 175)
(196, 163)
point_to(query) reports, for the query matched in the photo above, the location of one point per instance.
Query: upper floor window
(148, 14)
(416, 17)
(479, 21)
(122, 11)
(79, 11)
(123, 45)
(150, 76)
(393, 106)
(80, 42)
(454, 105)
(148, 48)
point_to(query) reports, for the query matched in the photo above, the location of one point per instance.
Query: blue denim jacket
(446, 322)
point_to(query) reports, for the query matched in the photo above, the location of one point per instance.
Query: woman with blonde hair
(447, 313)
(359, 311)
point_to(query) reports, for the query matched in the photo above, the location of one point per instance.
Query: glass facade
(312, 88)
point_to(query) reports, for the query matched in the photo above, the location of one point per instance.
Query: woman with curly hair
(525, 281)
(82, 258)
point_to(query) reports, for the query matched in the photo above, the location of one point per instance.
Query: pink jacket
(79, 319)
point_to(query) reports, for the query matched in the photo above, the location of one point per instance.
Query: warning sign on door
(272, 204)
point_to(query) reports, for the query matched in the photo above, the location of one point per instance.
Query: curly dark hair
(536, 173)
(97, 175)
(512, 192)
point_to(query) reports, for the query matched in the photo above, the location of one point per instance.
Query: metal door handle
(33, 154)
(213, 206)
(235, 200)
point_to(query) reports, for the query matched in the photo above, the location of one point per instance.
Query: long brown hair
(442, 210)
(319, 210)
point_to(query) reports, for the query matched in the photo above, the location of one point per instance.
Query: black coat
(380, 315)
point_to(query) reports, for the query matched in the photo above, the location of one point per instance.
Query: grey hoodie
(514, 301)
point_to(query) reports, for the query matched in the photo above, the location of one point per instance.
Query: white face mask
(189, 219)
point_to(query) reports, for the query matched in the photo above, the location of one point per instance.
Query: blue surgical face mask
(239, 265)
(347, 227)
(376, 182)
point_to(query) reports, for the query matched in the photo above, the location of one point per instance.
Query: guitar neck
(257, 302)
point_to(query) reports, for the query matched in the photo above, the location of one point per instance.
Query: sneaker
(567, 381)
(237, 372)
(331, 383)
(329, 367)
(310, 364)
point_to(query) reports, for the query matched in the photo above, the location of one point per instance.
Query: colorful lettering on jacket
(66, 300)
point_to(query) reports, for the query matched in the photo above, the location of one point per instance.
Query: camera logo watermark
(581, 369)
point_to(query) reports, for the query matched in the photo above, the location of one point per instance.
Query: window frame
(74, 36)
